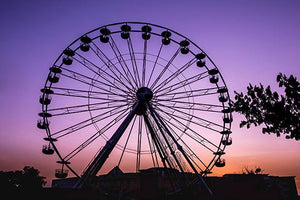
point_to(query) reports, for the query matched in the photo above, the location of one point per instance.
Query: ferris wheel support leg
(155, 140)
(164, 136)
(179, 147)
(100, 159)
(158, 146)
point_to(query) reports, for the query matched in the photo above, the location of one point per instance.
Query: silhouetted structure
(154, 183)
(150, 91)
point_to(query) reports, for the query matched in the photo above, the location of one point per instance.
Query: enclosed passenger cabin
(227, 141)
(166, 41)
(200, 56)
(222, 90)
(47, 90)
(184, 50)
(200, 63)
(61, 173)
(67, 60)
(146, 32)
(85, 39)
(104, 37)
(45, 99)
(125, 35)
(146, 36)
(47, 149)
(41, 124)
(68, 54)
(84, 47)
(227, 118)
(166, 37)
(55, 70)
(220, 162)
(214, 79)
(85, 43)
(223, 97)
(184, 46)
(226, 110)
(53, 78)
(125, 31)
(213, 75)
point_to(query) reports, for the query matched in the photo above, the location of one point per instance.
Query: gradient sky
(249, 40)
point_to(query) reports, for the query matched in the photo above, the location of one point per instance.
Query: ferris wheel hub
(144, 94)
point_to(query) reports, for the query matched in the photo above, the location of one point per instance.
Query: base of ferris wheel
(147, 184)
(180, 183)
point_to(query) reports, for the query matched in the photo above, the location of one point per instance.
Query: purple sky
(250, 41)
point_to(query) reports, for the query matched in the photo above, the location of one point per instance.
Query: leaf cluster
(248, 171)
(279, 113)
(25, 179)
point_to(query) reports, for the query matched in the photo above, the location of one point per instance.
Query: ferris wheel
(134, 95)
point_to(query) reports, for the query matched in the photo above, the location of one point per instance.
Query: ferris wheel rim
(49, 86)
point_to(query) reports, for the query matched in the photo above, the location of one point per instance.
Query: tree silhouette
(27, 179)
(279, 114)
(248, 171)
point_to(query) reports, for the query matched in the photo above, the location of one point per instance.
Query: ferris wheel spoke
(144, 63)
(202, 139)
(185, 97)
(91, 81)
(168, 138)
(190, 93)
(175, 74)
(158, 143)
(165, 69)
(155, 114)
(119, 57)
(127, 139)
(89, 92)
(200, 107)
(108, 100)
(193, 104)
(207, 123)
(196, 137)
(152, 147)
(139, 146)
(172, 133)
(89, 105)
(97, 82)
(136, 76)
(179, 85)
(94, 137)
(154, 65)
(190, 153)
(74, 109)
(100, 72)
(204, 123)
(102, 156)
(85, 123)
(111, 97)
(110, 66)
